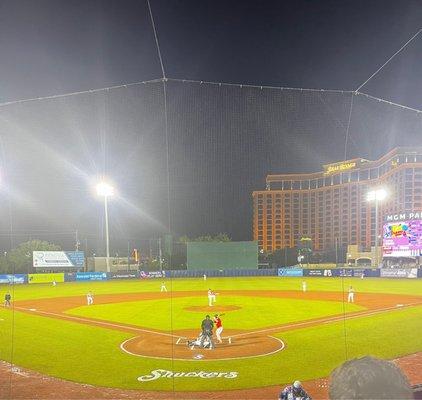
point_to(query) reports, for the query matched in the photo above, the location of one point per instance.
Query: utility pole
(336, 252)
(128, 255)
(86, 254)
(76, 241)
(160, 256)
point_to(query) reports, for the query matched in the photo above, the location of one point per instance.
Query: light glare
(378, 194)
(104, 189)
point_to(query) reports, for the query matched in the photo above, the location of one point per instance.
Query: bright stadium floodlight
(376, 195)
(106, 190)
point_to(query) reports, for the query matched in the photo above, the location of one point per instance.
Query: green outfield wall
(222, 256)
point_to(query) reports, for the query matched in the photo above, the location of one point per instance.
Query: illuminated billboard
(402, 238)
(58, 259)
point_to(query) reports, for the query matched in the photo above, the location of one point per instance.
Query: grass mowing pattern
(255, 312)
(91, 355)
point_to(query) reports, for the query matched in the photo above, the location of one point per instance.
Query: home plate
(399, 305)
(198, 357)
(32, 309)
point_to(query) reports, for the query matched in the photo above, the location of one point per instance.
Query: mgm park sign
(405, 216)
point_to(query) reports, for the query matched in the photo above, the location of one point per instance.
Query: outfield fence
(409, 273)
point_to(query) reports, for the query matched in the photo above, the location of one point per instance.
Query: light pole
(105, 190)
(376, 195)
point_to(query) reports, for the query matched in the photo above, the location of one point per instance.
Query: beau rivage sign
(404, 216)
(343, 166)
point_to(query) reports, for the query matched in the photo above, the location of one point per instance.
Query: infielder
(7, 299)
(219, 326)
(90, 298)
(211, 297)
(206, 327)
(351, 296)
(163, 287)
(205, 277)
(303, 286)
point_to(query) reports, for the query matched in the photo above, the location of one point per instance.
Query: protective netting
(222, 142)
(188, 171)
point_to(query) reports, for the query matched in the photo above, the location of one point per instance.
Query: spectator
(294, 392)
(369, 378)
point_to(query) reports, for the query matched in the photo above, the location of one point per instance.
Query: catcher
(197, 342)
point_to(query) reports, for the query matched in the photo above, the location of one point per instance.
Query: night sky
(222, 140)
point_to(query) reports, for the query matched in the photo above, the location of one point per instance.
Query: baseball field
(135, 337)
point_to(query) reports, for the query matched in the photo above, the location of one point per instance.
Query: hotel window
(287, 185)
(305, 185)
(296, 185)
(336, 179)
(345, 177)
(373, 173)
(313, 184)
(320, 182)
(327, 181)
(354, 176)
(363, 175)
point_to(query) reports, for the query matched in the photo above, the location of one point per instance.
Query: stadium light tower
(106, 190)
(376, 195)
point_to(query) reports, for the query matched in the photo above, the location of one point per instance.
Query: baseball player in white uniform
(351, 296)
(303, 286)
(211, 297)
(163, 287)
(90, 298)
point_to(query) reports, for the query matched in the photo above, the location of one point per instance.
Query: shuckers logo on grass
(163, 373)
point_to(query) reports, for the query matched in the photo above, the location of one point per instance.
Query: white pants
(304, 288)
(163, 289)
(211, 299)
(90, 300)
(218, 333)
(351, 298)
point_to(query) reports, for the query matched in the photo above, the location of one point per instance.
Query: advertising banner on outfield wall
(46, 278)
(290, 272)
(368, 272)
(320, 272)
(58, 259)
(91, 276)
(344, 272)
(152, 274)
(13, 279)
(124, 275)
(399, 273)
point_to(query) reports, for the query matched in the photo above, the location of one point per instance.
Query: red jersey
(218, 323)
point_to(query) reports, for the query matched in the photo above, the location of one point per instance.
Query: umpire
(206, 327)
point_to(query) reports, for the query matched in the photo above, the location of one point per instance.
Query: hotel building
(332, 205)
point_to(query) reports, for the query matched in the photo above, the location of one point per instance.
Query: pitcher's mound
(214, 309)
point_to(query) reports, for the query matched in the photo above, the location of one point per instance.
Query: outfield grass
(90, 354)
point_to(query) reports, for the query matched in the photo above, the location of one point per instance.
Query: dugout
(222, 255)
